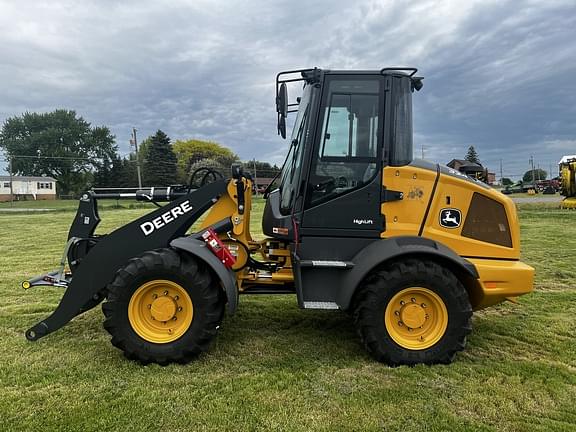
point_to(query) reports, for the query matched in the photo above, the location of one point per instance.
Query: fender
(384, 250)
(198, 249)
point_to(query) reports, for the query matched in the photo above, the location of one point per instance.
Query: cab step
(345, 265)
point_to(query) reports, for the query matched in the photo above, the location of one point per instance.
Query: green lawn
(527, 195)
(276, 367)
(40, 204)
(66, 205)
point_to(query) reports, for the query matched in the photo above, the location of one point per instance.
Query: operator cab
(348, 126)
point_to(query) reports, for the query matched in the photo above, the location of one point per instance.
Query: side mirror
(282, 100)
(417, 83)
(282, 126)
(282, 109)
(237, 171)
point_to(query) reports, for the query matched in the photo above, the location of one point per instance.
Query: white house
(24, 187)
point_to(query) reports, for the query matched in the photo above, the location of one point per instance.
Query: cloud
(498, 73)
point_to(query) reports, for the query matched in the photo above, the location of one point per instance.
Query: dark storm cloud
(498, 74)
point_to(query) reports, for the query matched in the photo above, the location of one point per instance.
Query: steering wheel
(203, 176)
(324, 184)
(342, 182)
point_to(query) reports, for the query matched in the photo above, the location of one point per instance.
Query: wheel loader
(408, 248)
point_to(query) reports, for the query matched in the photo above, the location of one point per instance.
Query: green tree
(102, 174)
(59, 144)
(143, 148)
(507, 182)
(129, 177)
(539, 174)
(472, 155)
(119, 172)
(190, 152)
(159, 168)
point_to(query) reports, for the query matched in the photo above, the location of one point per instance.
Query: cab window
(347, 150)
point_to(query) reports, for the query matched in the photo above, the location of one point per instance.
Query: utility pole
(11, 184)
(134, 142)
(422, 151)
(255, 176)
(533, 176)
(501, 174)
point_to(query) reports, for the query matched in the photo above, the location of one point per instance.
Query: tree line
(529, 176)
(79, 156)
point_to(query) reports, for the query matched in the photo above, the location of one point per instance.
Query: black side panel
(393, 248)
(114, 250)
(314, 284)
(329, 248)
(274, 223)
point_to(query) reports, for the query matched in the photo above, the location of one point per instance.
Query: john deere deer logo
(450, 218)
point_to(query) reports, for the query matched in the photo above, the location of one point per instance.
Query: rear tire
(413, 311)
(163, 307)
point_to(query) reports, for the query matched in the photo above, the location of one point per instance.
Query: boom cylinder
(169, 193)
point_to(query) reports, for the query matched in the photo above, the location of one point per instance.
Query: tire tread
(379, 283)
(166, 261)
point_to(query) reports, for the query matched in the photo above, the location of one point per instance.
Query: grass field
(275, 367)
(66, 205)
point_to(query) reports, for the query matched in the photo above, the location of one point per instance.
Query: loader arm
(97, 268)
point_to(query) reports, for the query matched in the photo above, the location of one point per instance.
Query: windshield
(292, 166)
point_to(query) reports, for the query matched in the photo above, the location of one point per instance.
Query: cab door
(342, 194)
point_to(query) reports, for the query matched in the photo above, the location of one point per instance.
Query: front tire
(163, 307)
(412, 311)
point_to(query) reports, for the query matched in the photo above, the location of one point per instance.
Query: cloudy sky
(499, 75)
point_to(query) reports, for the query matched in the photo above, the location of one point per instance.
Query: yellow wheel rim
(416, 318)
(160, 311)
